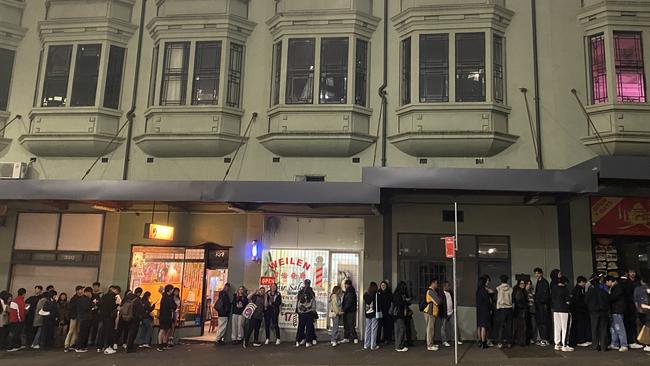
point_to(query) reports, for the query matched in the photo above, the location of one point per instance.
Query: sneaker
(365, 348)
(36, 347)
(243, 344)
(145, 346)
(307, 345)
(374, 348)
(124, 346)
(500, 346)
(567, 349)
(83, 350)
(622, 349)
(459, 343)
(446, 344)
(115, 346)
(109, 351)
(66, 349)
(334, 344)
(277, 342)
(356, 341)
(402, 350)
(314, 342)
(636, 346)
(544, 343)
(490, 344)
(345, 340)
(611, 346)
(160, 349)
(432, 348)
(99, 350)
(646, 348)
(13, 350)
(585, 344)
(303, 342)
(558, 347)
(267, 341)
(257, 344)
(297, 344)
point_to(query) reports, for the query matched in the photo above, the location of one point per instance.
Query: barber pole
(318, 280)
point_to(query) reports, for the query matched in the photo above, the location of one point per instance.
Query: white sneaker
(558, 347)
(585, 344)
(277, 341)
(356, 341)
(567, 349)
(622, 349)
(345, 340)
(446, 344)
(334, 344)
(124, 346)
(611, 346)
(646, 348)
(266, 341)
(459, 343)
(314, 342)
(303, 342)
(432, 348)
(402, 350)
(297, 344)
(36, 347)
(307, 345)
(109, 351)
(636, 346)
(14, 350)
(115, 346)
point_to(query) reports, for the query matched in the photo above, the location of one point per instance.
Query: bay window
(300, 71)
(57, 70)
(598, 69)
(434, 68)
(630, 78)
(114, 77)
(84, 84)
(334, 70)
(470, 67)
(174, 80)
(361, 75)
(6, 69)
(405, 84)
(234, 75)
(207, 64)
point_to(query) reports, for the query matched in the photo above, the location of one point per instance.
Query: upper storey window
(630, 77)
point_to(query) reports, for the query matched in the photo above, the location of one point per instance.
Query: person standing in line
(64, 318)
(400, 308)
(504, 313)
(5, 301)
(542, 309)
(645, 329)
(272, 315)
(108, 311)
(385, 330)
(640, 299)
(371, 301)
(520, 316)
(49, 318)
(73, 330)
(260, 300)
(223, 307)
(483, 310)
(17, 313)
(239, 302)
(350, 302)
(176, 316)
(628, 283)
(32, 310)
(336, 311)
(133, 317)
(96, 334)
(580, 325)
(561, 306)
(447, 330)
(166, 317)
(83, 310)
(617, 328)
(146, 326)
(431, 312)
(306, 310)
(597, 300)
(38, 320)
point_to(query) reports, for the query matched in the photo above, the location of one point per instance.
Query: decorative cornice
(11, 32)
(615, 13)
(86, 29)
(448, 17)
(346, 21)
(200, 26)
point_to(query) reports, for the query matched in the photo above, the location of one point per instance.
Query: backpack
(218, 306)
(126, 311)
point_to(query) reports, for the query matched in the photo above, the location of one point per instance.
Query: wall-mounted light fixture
(256, 251)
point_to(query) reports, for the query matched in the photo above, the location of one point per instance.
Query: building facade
(335, 133)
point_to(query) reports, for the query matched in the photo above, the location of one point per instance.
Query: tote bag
(378, 314)
(249, 310)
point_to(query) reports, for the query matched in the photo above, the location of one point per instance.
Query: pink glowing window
(598, 69)
(630, 78)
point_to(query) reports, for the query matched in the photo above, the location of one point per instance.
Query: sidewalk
(286, 355)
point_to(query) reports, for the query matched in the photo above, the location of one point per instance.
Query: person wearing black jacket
(272, 313)
(520, 304)
(165, 316)
(108, 312)
(146, 326)
(597, 300)
(32, 302)
(385, 330)
(628, 283)
(50, 321)
(84, 319)
(617, 301)
(96, 333)
(399, 311)
(561, 306)
(132, 325)
(580, 327)
(542, 308)
(223, 306)
(74, 328)
(349, 306)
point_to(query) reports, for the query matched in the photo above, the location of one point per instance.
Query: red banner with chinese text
(620, 216)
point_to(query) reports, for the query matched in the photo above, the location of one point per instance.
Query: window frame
(361, 72)
(120, 83)
(406, 74)
(638, 68)
(235, 77)
(80, 77)
(336, 70)
(183, 73)
(4, 104)
(459, 67)
(603, 72)
(276, 73)
(199, 72)
(425, 70)
(314, 72)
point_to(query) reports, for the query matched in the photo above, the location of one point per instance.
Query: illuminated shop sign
(158, 232)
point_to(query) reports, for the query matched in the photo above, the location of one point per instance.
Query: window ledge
(169, 145)
(620, 143)
(318, 108)
(70, 144)
(316, 143)
(74, 111)
(453, 106)
(613, 107)
(4, 142)
(469, 144)
(193, 109)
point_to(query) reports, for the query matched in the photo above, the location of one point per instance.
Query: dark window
(277, 72)
(598, 69)
(405, 84)
(300, 71)
(207, 63)
(234, 75)
(57, 71)
(434, 68)
(6, 69)
(361, 77)
(630, 76)
(153, 76)
(114, 77)
(470, 67)
(174, 79)
(334, 70)
(497, 68)
(86, 73)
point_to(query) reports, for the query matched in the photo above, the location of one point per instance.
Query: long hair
(401, 289)
(372, 288)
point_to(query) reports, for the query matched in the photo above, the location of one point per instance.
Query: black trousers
(84, 332)
(630, 325)
(271, 321)
(408, 323)
(580, 328)
(94, 330)
(521, 327)
(385, 330)
(306, 329)
(132, 330)
(543, 317)
(15, 335)
(253, 326)
(108, 324)
(504, 325)
(349, 330)
(599, 329)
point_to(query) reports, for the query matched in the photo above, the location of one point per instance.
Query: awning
(617, 167)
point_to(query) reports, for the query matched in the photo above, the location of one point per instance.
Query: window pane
(86, 71)
(361, 81)
(405, 85)
(152, 77)
(497, 65)
(470, 67)
(494, 247)
(334, 70)
(234, 75)
(300, 71)
(37, 231)
(63, 278)
(174, 79)
(6, 69)
(81, 232)
(275, 80)
(434, 68)
(114, 77)
(630, 79)
(57, 70)
(598, 69)
(207, 64)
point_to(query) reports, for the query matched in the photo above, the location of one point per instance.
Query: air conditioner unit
(13, 170)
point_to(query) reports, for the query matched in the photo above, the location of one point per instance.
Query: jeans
(237, 327)
(73, 332)
(599, 325)
(504, 325)
(221, 328)
(446, 329)
(335, 329)
(370, 337)
(349, 330)
(617, 330)
(400, 333)
(37, 337)
(561, 326)
(306, 330)
(253, 326)
(144, 334)
(84, 331)
(431, 328)
(271, 322)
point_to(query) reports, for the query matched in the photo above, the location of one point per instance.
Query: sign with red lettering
(450, 246)
(267, 281)
(620, 216)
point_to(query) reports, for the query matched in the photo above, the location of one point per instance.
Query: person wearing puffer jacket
(350, 302)
(561, 306)
(504, 313)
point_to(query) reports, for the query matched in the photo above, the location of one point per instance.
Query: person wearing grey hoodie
(504, 313)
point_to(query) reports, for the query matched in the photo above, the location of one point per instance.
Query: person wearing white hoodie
(504, 313)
